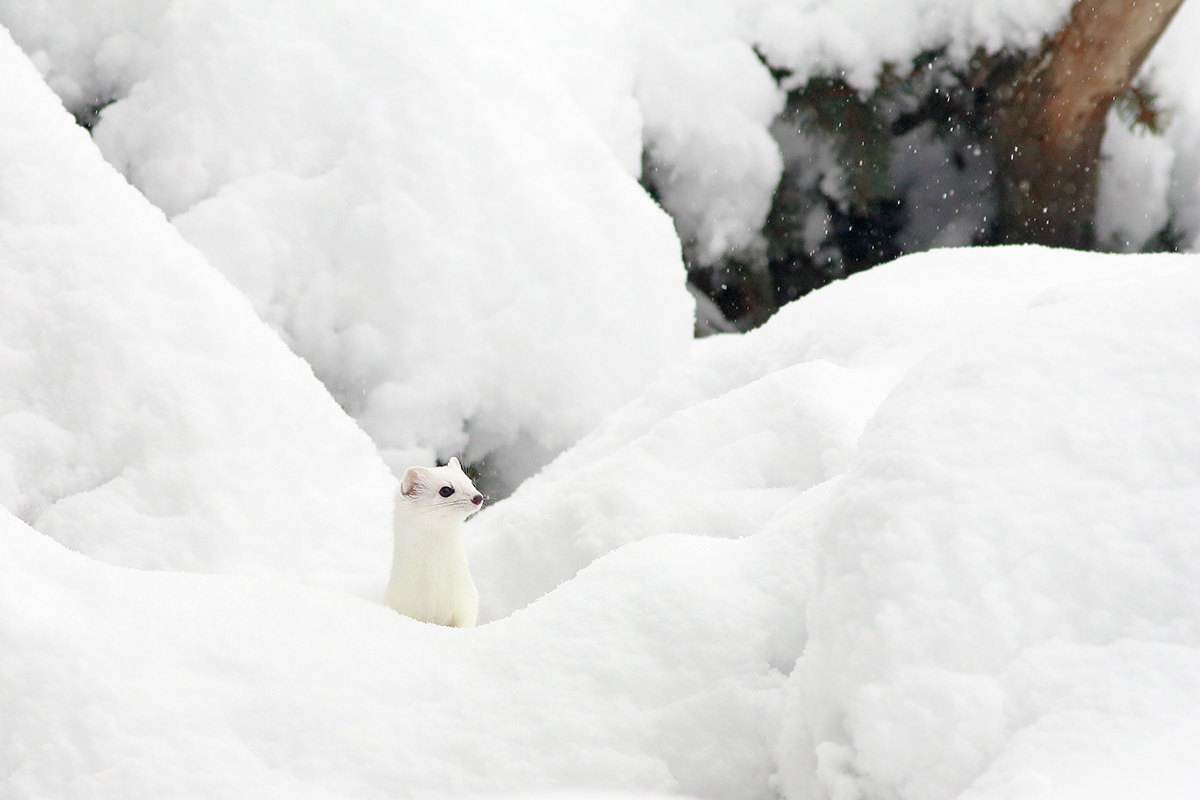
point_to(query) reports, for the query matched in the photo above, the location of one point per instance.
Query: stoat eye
(446, 491)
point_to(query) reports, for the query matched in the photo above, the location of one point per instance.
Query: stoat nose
(477, 499)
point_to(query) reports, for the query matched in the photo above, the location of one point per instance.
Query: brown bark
(1048, 118)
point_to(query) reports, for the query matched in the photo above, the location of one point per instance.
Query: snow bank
(1006, 598)
(975, 476)
(147, 417)
(434, 204)
(157, 685)
(929, 533)
(898, 542)
(413, 197)
(734, 433)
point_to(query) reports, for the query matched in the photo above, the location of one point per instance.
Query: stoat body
(430, 580)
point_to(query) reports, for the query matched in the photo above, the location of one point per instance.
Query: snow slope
(1006, 599)
(748, 421)
(928, 533)
(967, 574)
(409, 193)
(395, 186)
(147, 417)
(974, 479)
(129, 684)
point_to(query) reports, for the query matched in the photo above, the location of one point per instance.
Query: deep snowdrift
(1006, 597)
(434, 202)
(929, 533)
(411, 194)
(147, 417)
(992, 591)
(992, 596)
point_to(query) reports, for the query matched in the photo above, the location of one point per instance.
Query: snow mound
(971, 577)
(1005, 597)
(983, 556)
(728, 437)
(929, 533)
(434, 204)
(158, 685)
(147, 417)
(431, 219)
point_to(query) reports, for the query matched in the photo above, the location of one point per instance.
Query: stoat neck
(428, 550)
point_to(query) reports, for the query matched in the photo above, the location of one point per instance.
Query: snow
(1007, 571)
(928, 533)
(153, 685)
(706, 106)
(1133, 199)
(715, 164)
(735, 433)
(394, 191)
(1170, 71)
(390, 185)
(147, 417)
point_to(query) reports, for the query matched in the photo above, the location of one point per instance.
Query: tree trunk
(1048, 118)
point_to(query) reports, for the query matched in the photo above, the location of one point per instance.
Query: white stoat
(430, 580)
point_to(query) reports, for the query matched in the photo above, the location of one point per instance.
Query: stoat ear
(411, 482)
(454, 463)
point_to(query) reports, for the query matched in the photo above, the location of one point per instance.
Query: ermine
(430, 580)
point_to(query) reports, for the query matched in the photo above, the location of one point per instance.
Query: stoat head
(433, 492)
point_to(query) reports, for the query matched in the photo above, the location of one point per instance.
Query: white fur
(430, 580)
